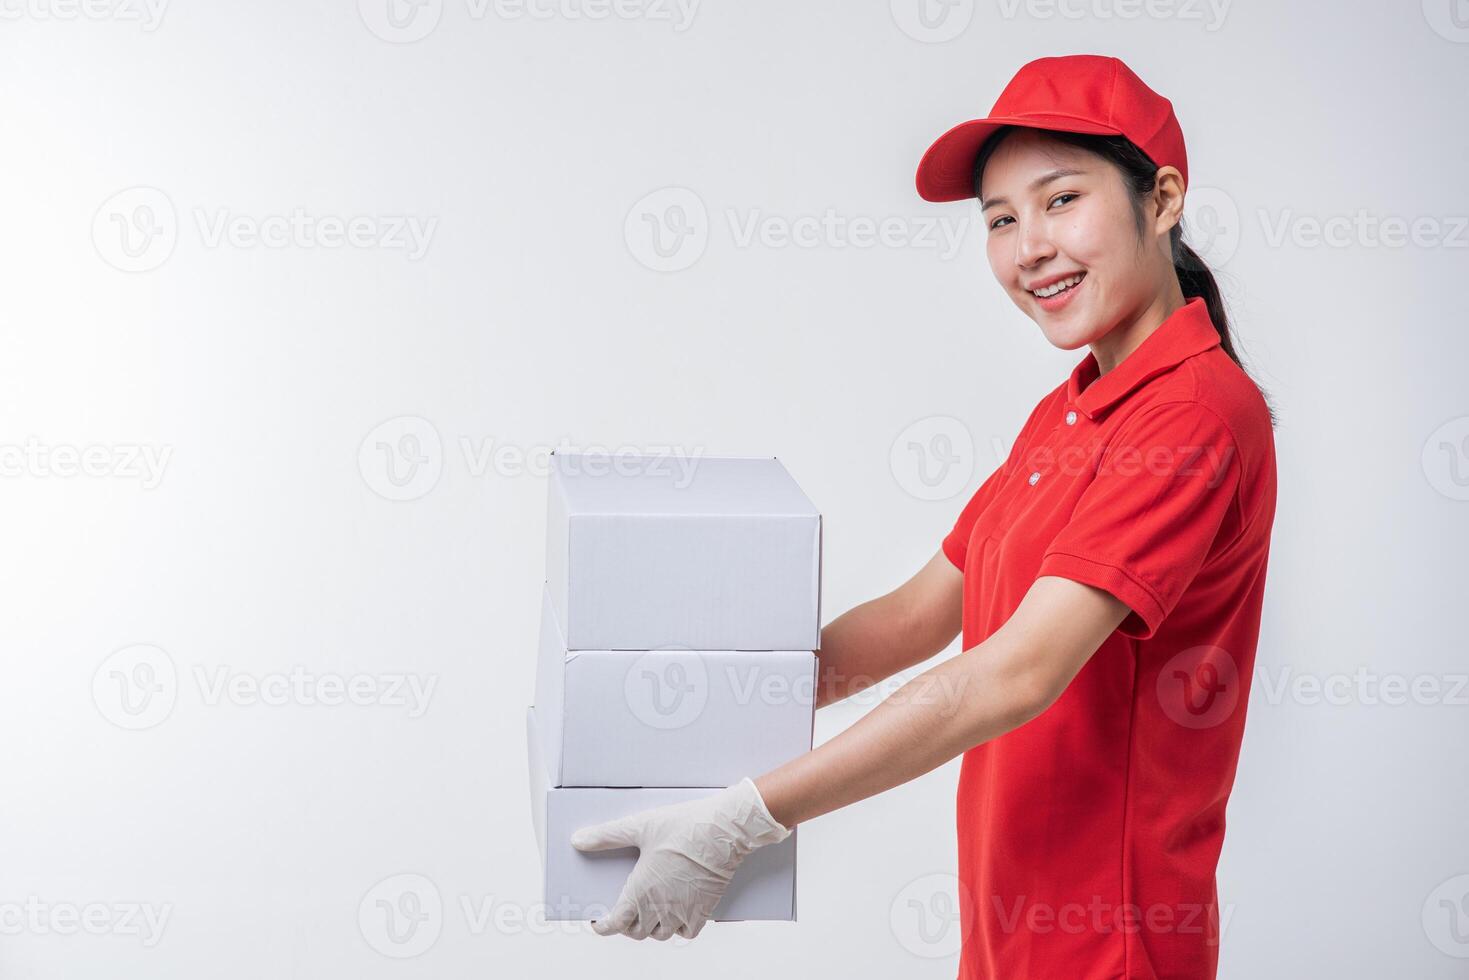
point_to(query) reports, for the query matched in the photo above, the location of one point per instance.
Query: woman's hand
(688, 854)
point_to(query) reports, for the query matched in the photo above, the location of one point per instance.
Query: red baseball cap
(1078, 93)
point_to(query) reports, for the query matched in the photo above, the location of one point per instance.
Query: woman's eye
(1058, 197)
(996, 223)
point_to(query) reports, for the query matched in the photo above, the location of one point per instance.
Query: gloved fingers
(664, 930)
(619, 919)
(689, 931)
(622, 832)
(641, 927)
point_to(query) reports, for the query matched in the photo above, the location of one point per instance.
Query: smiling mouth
(1059, 288)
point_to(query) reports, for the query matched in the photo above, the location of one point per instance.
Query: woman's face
(1055, 211)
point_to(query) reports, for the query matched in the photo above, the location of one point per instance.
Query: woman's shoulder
(1213, 400)
(1212, 382)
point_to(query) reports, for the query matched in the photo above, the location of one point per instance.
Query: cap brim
(946, 172)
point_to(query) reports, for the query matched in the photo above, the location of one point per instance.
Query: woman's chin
(1067, 330)
(1064, 336)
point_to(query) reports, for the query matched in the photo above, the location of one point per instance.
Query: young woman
(1107, 579)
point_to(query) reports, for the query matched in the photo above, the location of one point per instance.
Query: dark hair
(1141, 174)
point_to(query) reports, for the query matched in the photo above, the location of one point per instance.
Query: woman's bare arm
(890, 633)
(978, 695)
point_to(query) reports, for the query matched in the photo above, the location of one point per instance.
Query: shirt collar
(1186, 331)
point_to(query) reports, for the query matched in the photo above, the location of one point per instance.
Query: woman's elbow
(1029, 687)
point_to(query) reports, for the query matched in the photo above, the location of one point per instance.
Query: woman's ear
(1168, 198)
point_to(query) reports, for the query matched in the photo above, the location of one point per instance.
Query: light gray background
(268, 541)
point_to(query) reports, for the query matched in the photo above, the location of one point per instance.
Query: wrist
(753, 817)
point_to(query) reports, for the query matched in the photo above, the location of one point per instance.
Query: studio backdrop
(301, 298)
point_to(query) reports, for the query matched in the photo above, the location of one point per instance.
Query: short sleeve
(956, 543)
(1164, 487)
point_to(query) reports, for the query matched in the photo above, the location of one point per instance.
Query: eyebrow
(1035, 185)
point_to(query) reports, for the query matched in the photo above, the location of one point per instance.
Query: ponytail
(1196, 279)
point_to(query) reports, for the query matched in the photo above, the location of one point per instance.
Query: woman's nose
(1032, 246)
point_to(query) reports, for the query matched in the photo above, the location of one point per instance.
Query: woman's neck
(1112, 347)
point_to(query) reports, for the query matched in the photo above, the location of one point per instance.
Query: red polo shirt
(1089, 837)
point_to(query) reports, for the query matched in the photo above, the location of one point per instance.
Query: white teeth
(1057, 287)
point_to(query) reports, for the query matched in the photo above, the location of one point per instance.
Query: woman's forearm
(937, 715)
(871, 642)
(987, 690)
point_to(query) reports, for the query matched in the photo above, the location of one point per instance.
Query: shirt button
(1070, 418)
(1034, 477)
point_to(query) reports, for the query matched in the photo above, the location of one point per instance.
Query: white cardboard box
(581, 885)
(669, 717)
(700, 553)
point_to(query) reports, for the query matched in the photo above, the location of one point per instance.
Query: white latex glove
(688, 853)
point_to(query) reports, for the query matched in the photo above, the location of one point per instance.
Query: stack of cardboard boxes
(679, 618)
